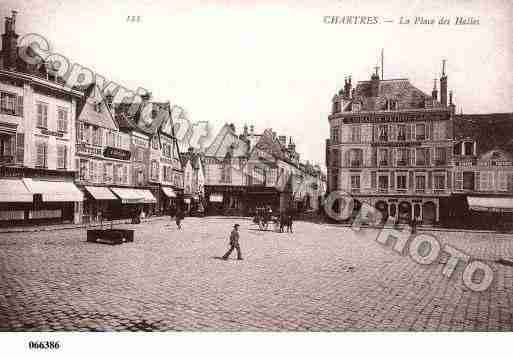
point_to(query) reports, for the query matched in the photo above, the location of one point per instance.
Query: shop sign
(117, 153)
(88, 149)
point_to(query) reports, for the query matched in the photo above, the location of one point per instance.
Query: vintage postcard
(254, 166)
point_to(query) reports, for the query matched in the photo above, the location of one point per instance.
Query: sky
(276, 64)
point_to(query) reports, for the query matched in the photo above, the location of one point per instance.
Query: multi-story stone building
(37, 139)
(483, 170)
(391, 146)
(194, 180)
(246, 171)
(102, 156)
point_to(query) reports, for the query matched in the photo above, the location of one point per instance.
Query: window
(439, 181)
(401, 182)
(383, 133)
(356, 157)
(155, 143)
(420, 131)
(62, 152)
(140, 177)
(87, 133)
(83, 170)
(383, 157)
(334, 134)
(80, 132)
(440, 156)
(383, 183)
(468, 181)
(457, 148)
(62, 120)
(355, 182)
(401, 132)
(402, 156)
(125, 174)
(468, 148)
(486, 181)
(139, 154)
(334, 181)
(8, 103)
(96, 136)
(42, 114)
(154, 170)
(335, 158)
(41, 154)
(118, 174)
(420, 183)
(502, 181)
(422, 156)
(258, 175)
(108, 172)
(355, 133)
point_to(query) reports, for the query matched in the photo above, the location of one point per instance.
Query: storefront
(15, 201)
(97, 204)
(491, 212)
(131, 202)
(54, 201)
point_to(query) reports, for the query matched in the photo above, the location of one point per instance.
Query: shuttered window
(41, 154)
(20, 147)
(42, 114)
(502, 182)
(458, 180)
(62, 120)
(61, 156)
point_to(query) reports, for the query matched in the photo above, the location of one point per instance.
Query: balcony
(402, 163)
(383, 138)
(383, 163)
(421, 163)
(440, 162)
(420, 137)
(401, 138)
(383, 189)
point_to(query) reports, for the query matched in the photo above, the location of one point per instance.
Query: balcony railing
(383, 163)
(440, 162)
(356, 164)
(402, 163)
(382, 189)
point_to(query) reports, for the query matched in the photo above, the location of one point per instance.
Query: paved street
(322, 277)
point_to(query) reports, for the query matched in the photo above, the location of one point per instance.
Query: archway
(404, 212)
(428, 213)
(382, 206)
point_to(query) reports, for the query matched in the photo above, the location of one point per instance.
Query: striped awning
(169, 192)
(147, 196)
(100, 193)
(54, 191)
(128, 195)
(14, 190)
(490, 204)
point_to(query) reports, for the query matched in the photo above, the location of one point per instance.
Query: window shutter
(391, 157)
(20, 147)
(430, 180)
(373, 180)
(392, 180)
(429, 130)
(410, 184)
(19, 106)
(410, 130)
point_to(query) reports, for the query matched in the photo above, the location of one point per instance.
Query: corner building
(390, 146)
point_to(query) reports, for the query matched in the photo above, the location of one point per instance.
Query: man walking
(234, 243)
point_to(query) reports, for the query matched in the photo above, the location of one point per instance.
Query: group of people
(282, 220)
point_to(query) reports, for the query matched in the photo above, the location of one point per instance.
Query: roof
(134, 121)
(226, 142)
(490, 131)
(88, 110)
(407, 95)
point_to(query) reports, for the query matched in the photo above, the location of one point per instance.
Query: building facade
(391, 147)
(37, 140)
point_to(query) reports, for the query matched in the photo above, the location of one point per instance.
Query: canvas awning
(128, 195)
(491, 204)
(14, 190)
(169, 192)
(54, 191)
(216, 197)
(146, 195)
(100, 193)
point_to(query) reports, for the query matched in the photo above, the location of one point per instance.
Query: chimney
(375, 83)
(251, 129)
(146, 97)
(443, 85)
(450, 98)
(347, 87)
(434, 93)
(109, 98)
(10, 43)
(245, 133)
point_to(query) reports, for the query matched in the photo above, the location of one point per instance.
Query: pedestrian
(234, 243)
(179, 217)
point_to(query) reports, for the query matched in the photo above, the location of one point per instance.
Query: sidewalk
(63, 226)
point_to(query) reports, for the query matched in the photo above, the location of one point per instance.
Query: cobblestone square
(320, 278)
